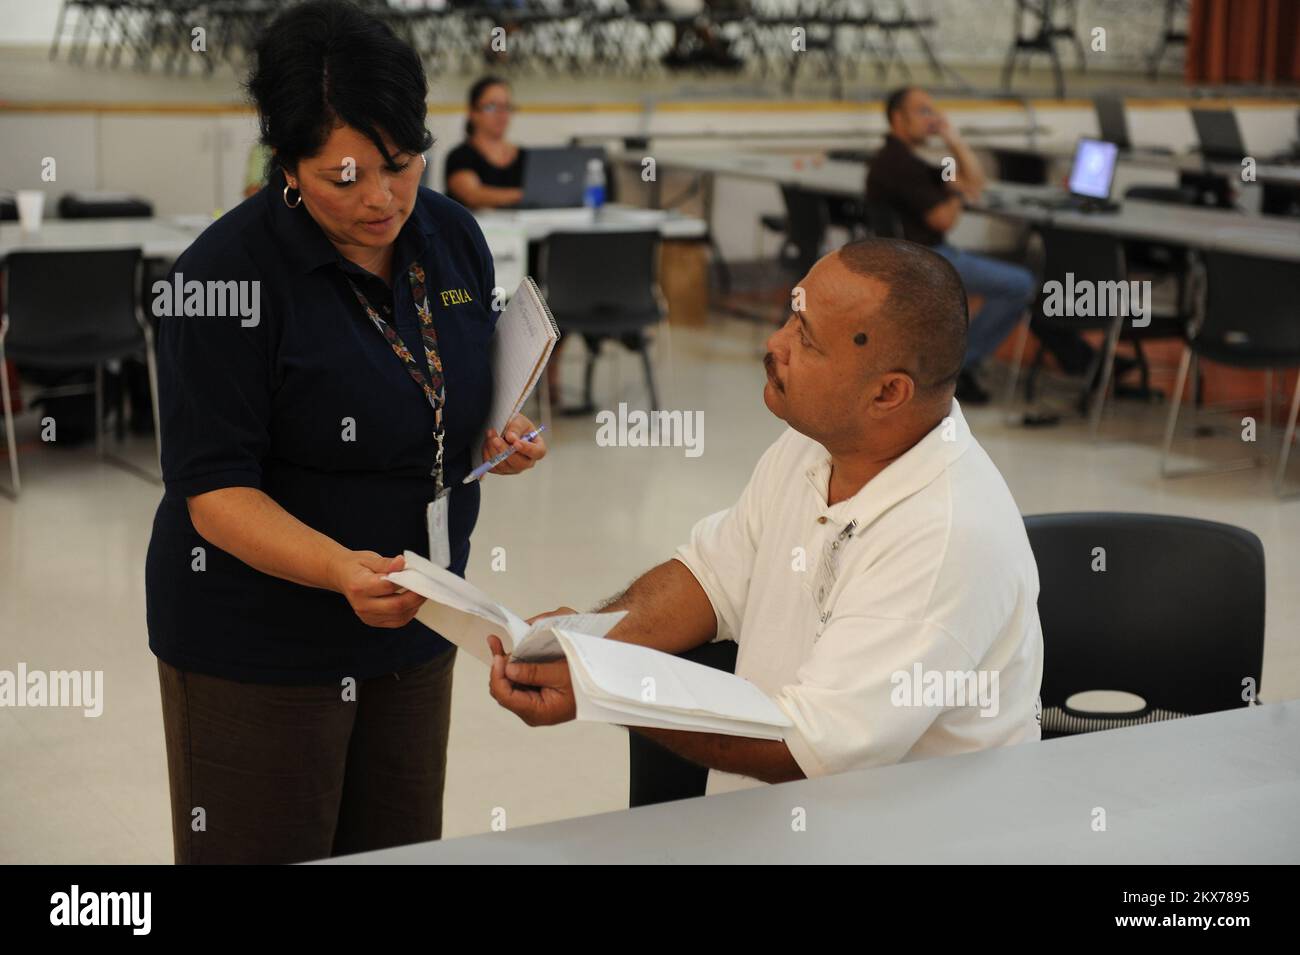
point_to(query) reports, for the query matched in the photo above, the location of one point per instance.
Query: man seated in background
(875, 542)
(928, 206)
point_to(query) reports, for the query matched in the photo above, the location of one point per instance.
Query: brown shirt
(909, 185)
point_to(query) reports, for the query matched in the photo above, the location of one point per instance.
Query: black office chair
(1245, 318)
(1279, 199)
(849, 214)
(1160, 261)
(807, 217)
(605, 285)
(91, 205)
(803, 230)
(132, 376)
(1094, 257)
(883, 221)
(1170, 609)
(69, 310)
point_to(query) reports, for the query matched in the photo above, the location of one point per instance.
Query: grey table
(1222, 788)
(1188, 226)
(167, 238)
(840, 177)
(846, 177)
(538, 224)
(157, 238)
(1191, 227)
(1269, 171)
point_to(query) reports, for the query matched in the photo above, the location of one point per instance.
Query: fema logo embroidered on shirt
(454, 296)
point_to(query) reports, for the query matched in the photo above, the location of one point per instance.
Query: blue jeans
(1007, 290)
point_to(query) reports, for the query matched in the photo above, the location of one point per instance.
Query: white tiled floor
(574, 531)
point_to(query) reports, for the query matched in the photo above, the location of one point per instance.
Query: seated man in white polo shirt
(875, 571)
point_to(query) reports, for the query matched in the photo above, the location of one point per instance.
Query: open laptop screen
(1093, 171)
(1111, 120)
(1219, 133)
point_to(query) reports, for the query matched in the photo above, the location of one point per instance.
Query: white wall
(28, 22)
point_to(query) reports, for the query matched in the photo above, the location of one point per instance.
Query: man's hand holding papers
(540, 694)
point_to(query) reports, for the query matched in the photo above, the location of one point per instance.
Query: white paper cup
(31, 205)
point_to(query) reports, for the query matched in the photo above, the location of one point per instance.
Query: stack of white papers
(613, 682)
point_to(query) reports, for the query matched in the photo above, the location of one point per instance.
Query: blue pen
(492, 462)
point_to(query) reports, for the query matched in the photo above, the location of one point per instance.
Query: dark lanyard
(434, 387)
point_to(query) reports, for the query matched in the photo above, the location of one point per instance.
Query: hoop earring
(291, 205)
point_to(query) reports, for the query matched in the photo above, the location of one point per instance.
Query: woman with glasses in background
(486, 171)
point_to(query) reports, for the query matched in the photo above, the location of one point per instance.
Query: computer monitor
(556, 177)
(1219, 134)
(1111, 120)
(1093, 171)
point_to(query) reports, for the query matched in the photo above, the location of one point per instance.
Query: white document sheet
(613, 682)
(465, 615)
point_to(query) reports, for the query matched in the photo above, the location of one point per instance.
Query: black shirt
(910, 186)
(269, 406)
(466, 156)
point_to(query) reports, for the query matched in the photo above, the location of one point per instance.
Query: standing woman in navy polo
(323, 381)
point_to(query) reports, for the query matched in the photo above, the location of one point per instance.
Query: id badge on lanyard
(437, 513)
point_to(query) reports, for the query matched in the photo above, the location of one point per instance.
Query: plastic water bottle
(594, 196)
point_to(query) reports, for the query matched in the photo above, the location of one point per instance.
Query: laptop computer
(1111, 120)
(556, 177)
(1219, 134)
(1092, 174)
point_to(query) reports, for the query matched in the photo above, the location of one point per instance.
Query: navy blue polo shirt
(312, 406)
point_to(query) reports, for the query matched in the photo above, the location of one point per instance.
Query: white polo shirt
(899, 624)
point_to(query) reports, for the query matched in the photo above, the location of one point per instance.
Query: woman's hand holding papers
(359, 576)
(530, 452)
(540, 694)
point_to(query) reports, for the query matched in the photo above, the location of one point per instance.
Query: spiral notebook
(525, 337)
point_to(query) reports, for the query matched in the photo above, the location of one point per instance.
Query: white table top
(167, 238)
(1221, 788)
(158, 238)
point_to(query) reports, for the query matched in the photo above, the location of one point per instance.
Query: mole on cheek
(860, 338)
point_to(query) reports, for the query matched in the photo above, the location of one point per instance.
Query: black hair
(926, 301)
(481, 85)
(328, 62)
(895, 100)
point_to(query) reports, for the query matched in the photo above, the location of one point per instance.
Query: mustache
(769, 364)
